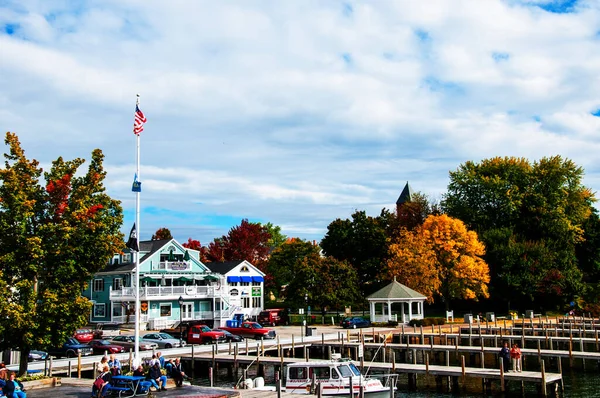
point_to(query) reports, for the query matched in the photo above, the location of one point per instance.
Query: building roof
(223, 267)
(396, 290)
(147, 247)
(406, 195)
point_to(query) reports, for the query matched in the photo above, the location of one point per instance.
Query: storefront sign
(178, 265)
(256, 291)
(144, 306)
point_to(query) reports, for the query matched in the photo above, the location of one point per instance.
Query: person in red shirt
(515, 357)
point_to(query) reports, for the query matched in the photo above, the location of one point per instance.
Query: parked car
(35, 355)
(84, 336)
(100, 346)
(234, 338)
(354, 322)
(273, 317)
(128, 341)
(163, 340)
(71, 348)
(107, 330)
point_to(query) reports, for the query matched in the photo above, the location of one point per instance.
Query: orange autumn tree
(440, 258)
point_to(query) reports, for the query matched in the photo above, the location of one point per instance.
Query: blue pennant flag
(137, 185)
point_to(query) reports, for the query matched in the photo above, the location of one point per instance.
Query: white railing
(164, 291)
(385, 318)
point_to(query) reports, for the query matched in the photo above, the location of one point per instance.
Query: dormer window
(244, 268)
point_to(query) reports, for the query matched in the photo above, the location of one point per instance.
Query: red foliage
(192, 244)
(248, 241)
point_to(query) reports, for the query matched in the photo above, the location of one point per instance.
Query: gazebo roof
(397, 291)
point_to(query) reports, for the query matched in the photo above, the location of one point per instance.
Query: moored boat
(335, 377)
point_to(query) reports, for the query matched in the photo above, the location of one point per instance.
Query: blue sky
(297, 113)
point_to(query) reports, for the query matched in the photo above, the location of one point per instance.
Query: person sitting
(161, 359)
(139, 371)
(102, 382)
(100, 367)
(3, 371)
(14, 388)
(177, 373)
(115, 365)
(169, 367)
(155, 377)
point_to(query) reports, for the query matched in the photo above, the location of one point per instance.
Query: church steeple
(405, 196)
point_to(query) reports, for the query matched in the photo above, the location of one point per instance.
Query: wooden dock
(543, 379)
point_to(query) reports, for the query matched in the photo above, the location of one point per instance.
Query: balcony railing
(166, 292)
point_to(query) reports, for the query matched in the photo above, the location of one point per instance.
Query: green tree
(363, 243)
(54, 238)
(277, 238)
(531, 219)
(284, 261)
(324, 281)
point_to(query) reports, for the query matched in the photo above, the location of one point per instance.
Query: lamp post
(180, 319)
(306, 314)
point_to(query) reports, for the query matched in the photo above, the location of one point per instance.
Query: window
(99, 310)
(165, 310)
(233, 283)
(256, 302)
(244, 283)
(320, 372)
(117, 284)
(245, 302)
(255, 283)
(117, 310)
(298, 373)
(244, 269)
(98, 285)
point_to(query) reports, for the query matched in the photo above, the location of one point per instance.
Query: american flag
(138, 121)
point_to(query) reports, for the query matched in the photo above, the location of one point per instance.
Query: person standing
(515, 357)
(505, 356)
(14, 388)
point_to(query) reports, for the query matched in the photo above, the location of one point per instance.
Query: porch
(165, 292)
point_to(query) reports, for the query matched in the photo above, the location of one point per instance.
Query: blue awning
(258, 279)
(233, 279)
(246, 279)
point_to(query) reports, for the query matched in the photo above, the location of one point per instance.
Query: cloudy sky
(297, 112)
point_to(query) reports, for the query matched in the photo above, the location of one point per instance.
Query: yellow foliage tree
(440, 258)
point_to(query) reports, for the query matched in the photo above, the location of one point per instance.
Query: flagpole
(136, 357)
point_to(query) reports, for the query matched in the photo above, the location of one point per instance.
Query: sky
(297, 112)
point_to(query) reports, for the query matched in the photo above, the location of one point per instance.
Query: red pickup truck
(251, 330)
(195, 333)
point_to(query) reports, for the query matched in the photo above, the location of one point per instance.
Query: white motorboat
(335, 378)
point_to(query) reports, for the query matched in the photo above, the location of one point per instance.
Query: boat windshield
(354, 369)
(348, 370)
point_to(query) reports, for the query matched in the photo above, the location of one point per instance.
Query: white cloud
(296, 112)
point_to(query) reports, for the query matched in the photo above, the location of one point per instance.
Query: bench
(117, 390)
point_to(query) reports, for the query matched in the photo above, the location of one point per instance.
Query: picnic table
(128, 385)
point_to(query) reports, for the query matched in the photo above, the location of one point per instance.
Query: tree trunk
(23, 361)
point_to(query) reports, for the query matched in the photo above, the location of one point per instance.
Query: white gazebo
(411, 303)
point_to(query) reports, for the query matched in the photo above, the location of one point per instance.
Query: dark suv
(70, 349)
